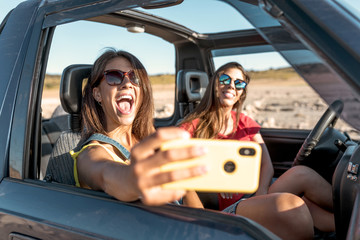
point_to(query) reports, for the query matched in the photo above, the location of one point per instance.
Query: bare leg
(284, 214)
(323, 219)
(304, 181)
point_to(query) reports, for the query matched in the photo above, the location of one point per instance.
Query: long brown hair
(209, 110)
(93, 116)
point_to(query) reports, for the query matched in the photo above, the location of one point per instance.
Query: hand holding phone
(233, 166)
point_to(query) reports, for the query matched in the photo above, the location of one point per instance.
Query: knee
(300, 171)
(300, 174)
(288, 202)
(293, 211)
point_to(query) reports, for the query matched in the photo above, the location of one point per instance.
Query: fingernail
(185, 135)
(203, 169)
(199, 150)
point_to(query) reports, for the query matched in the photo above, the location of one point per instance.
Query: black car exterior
(31, 208)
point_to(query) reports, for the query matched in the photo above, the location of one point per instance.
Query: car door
(31, 208)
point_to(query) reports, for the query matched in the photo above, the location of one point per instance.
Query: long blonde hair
(93, 116)
(209, 110)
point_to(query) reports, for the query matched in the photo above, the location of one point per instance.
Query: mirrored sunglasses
(116, 77)
(225, 79)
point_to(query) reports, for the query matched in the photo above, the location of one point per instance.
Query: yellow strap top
(74, 156)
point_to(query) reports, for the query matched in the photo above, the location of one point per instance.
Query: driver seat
(346, 194)
(191, 85)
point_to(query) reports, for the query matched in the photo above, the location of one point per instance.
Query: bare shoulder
(96, 152)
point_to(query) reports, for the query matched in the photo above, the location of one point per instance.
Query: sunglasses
(116, 77)
(225, 79)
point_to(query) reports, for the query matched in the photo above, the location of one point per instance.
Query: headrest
(191, 85)
(71, 87)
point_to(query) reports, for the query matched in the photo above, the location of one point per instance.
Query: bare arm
(142, 178)
(98, 170)
(267, 170)
(191, 199)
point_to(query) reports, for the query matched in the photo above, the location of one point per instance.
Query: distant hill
(280, 74)
(53, 81)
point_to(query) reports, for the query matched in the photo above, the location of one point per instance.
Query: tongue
(124, 107)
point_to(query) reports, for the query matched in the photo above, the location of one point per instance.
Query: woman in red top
(218, 116)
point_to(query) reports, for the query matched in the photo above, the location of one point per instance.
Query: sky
(156, 55)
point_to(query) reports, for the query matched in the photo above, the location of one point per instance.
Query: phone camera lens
(229, 166)
(247, 151)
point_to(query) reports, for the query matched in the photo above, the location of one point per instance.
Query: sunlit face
(228, 94)
(120, 102)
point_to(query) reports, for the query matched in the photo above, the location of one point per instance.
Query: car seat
(346, 194)
(60, 166)
(50, 132)
(191, 86)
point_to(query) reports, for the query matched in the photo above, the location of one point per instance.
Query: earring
(99, 103)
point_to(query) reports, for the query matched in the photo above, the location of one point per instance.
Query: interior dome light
(135, 28)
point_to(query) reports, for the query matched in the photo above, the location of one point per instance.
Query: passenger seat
(60, 167)
(50, 132)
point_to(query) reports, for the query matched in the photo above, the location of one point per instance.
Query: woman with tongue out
(117, 117)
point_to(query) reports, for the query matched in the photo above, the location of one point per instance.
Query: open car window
(73, 44)
(278, 97)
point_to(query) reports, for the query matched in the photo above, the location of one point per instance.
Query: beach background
(277, 98)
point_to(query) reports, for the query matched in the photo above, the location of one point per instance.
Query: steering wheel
(328, 119)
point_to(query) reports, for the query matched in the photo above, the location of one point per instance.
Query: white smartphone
(233, 166)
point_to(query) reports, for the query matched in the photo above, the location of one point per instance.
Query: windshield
(203, 16)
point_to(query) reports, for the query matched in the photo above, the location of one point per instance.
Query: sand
(290, 104)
